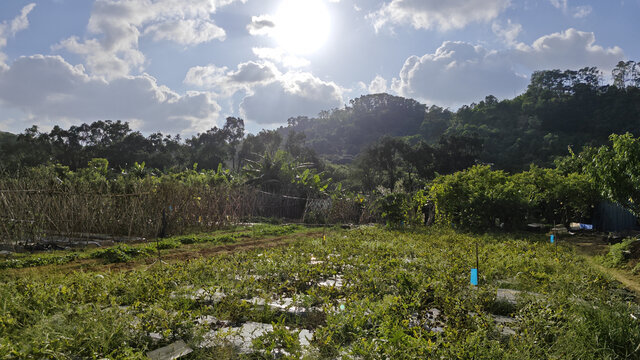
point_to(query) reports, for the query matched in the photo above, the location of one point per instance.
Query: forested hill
(560, 109)
(6, 137)
(379, 133)
(341, 134)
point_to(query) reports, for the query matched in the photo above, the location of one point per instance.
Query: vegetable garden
(362, 293)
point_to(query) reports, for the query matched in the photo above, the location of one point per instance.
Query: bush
(619, 253)
(169, 244)
(480, 198)
(401, 208)
(120, 253)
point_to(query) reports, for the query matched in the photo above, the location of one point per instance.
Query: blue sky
(175, 66)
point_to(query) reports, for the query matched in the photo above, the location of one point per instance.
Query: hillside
(560, 109)
(6, 137)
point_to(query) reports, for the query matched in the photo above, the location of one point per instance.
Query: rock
(502, 322)
(511, 296)
(170, 352)
(5, 253)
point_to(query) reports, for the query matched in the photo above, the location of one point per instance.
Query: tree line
(377, 140)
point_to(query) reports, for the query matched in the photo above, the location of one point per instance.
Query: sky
(182, 67)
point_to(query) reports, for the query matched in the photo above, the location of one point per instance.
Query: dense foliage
(559, 109)
(615, 169)
(480, 198)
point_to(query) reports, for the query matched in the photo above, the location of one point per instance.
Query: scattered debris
(5, 253)
(315, 261)
(538, 227)
(202, 295)
(284, 305)
(335, 282)
(574, 226)
(560, 229)
(430, 320)
(241, 337)
(170, 352)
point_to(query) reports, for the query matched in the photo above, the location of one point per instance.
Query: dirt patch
(183, 253)
(587, 244)
(230, 248)
(592, 245)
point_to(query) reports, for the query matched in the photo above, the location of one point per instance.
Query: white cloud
(459, 72)
(570, 49)
(437, 14)
(582, 11)
(293, 94)
(228, 82)
(559, 4)
(280, 56)
(508, 32)
(186, 32)
(270, 97)
(51, 90)
(377, 85)
(10, 29)
(577, 11)
(261, 25)
(118, 25)
(21, 22)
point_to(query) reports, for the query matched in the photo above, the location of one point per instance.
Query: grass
(124, 253)
(391, 282)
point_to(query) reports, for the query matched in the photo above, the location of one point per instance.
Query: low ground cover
(127, 252)
(362, 293)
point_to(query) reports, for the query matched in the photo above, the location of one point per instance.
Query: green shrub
(120, 253)
(618, 253)
(169, 244)
(480, 198)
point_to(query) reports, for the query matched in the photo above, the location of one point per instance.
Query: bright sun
(302, 26)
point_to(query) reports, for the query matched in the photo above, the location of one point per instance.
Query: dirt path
(592, 245)
(620, 275)
(241, 246)
(183, 253)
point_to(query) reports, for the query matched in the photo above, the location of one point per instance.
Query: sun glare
(302, 26)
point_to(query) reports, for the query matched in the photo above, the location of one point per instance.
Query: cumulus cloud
(293, 94)
(569, 49)
(437, 14)
(118, 25)
(227, 82)
(11, 28)
(280, 56)
(50, 89)
(270, 96)
(460, 72)
(457, 73)
(378, 85)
